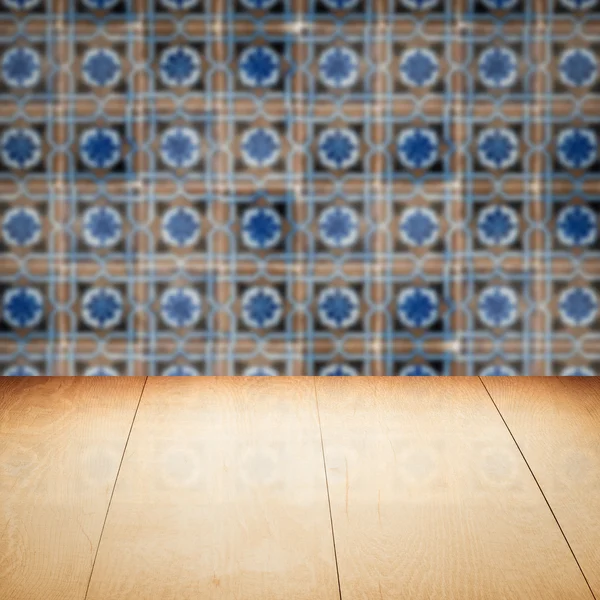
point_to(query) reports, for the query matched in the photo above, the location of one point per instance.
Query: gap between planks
(87, 589)
(539, 486)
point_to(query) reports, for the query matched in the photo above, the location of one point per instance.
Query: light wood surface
(430, 497)
(221, 494)
(556, 422)
(61, 443)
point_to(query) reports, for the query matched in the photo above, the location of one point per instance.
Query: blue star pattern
(181, 227)
(577, 226)
(21, 371)
(259, 67)
(577, 148)
(338, 187)
(418, 148)
(180, 66)
(180, 147)
(262, 307)
(21, 67)
(100, 148)
(578, 67)
(498, 67)
(419, 68)
(578, 306)
(261, 228)
(22, 307)
(102, 227)
(498, 306)
(417, 307)
(498, 226)
(419, 227)
(21, 227)
(261, 147)
(338, 148)
(338, 307)
(21, 148)
(101, 307)
(338, 67)
(101, 67)
(180, 307)
(339, 227)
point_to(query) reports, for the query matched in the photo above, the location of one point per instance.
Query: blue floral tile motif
(21, 4)
(262, 307)
(180, 66)
(21, 227)
(103, 371)
(578, 67)
(180, 307)
(498, 226)
(336, 187)
(260, 372)
(179, 4)
(418, 148)
(340, 370)
(498, 148)
(498, 68)
(22, 307)
(498, 306)
(417, 371)
(340, 4)
(419, 227)
(419, 67)
(180, 371)
(577, 226)
(21, 148)
(419, 4)
(418, 307)
(498, 371)
(261, 147)
(338, 148)
(101, 67)
(579, 4)
(259, 67)
(261, 228)
(181, 227)
(180, 147)
(578, 372)
(578, 306)
(339, 227)
(338, 67)
(338, 307)
(100, 148)
(102, 307)
(259, 4)
(100, 4)
(21, 67)
(21, 371)
(577, 148)
(500, 4)
(102, 227)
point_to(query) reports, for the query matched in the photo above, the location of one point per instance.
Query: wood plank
(430, 497)
(61, 443)
(556, 422)
(221, 494)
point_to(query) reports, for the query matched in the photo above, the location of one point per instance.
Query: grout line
(539, 486)
(337, 569)
(87, 589)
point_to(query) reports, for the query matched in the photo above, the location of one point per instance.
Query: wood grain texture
(431, 498)
(556, 422)
(61, 443)
(221, 494)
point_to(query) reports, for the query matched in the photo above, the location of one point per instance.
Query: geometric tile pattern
(299, 187)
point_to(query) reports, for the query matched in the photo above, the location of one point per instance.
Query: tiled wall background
(372, 187)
